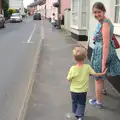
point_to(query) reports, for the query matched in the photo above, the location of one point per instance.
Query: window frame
(74, 11)
(117, 5)
(84, 14)
(116, 25)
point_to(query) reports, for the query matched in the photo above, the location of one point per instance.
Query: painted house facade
(83, 25)
(16, 4)
(50, 9)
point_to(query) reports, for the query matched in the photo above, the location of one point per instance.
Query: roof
(39, 2)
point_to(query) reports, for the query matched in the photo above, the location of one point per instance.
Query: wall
(16, 4)
(42, 10)
(67, 17)
(50, 9)
(31, 10)
(65, 4)
(79, 19)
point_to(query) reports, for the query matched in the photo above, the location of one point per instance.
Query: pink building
(50, 9)
(65, 4)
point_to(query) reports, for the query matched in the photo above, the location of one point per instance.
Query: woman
(104, 54)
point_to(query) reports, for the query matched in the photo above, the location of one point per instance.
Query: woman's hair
(79, 53)
(100, 6)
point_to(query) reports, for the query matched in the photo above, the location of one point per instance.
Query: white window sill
(76, 27)
(116, 29)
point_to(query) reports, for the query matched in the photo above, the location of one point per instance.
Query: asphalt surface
(18, 47)
(50, 98)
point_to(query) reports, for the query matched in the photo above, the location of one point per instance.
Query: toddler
(78, 77)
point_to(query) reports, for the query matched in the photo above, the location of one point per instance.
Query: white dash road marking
(29, 40)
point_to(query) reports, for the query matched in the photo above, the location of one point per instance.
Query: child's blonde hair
(79, 53)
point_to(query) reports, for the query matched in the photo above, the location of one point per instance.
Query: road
(19, 43)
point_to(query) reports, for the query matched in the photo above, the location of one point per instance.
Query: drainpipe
(59, 13)
(0, 6)
(45, 10)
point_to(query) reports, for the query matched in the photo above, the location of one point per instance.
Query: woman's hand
(103, 67)
(104, 72)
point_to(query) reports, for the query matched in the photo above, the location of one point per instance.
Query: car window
(15, 14)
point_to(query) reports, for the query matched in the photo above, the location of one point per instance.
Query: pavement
(50, 98)
(19, 45)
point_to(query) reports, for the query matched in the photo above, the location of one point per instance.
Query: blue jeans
(78, 103)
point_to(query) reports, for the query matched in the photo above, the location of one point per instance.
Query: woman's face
(98, 14)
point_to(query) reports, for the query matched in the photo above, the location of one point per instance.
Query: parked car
(2, 21)
(16, 17)
(37, 16)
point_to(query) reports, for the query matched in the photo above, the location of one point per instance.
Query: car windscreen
(14, 15)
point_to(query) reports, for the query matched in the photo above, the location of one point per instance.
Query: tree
(11, 11)
(5, 8)
(25, 10)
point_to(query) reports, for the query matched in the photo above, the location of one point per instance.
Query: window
(84, 13)
(74, 12)
(117, 12)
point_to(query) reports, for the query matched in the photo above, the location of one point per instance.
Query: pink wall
(65, 4)
(50, 9)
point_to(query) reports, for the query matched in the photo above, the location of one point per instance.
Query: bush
(11, 11)
(5, 8)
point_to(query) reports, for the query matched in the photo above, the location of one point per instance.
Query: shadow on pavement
(90, 118)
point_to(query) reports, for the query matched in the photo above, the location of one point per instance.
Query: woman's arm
(106, 41)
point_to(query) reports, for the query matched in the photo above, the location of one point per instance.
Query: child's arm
(100, 74)
(92, 72)
(69, 76)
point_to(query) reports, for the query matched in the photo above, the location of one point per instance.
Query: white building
(16, 4)
(83, 24)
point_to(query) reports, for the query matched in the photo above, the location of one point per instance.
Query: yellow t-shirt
(78, 77)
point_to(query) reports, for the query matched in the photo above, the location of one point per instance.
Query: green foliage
(11, 11)
(25, 10)
(5, 8)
